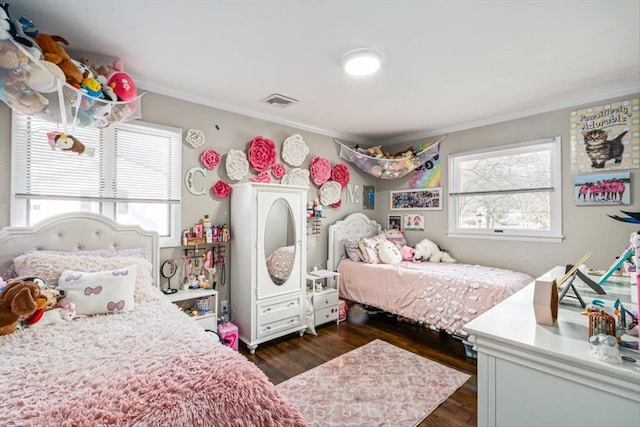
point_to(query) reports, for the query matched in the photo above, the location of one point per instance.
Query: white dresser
(269, 261)
(533, 375)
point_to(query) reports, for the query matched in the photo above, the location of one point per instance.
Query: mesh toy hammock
(389, 168)
(48, 97)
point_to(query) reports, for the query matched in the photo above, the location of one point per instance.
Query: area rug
(377, 384)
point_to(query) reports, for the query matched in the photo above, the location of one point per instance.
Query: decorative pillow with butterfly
(100, 292)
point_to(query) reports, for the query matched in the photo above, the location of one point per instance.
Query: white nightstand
(187, 298)
(324, 288)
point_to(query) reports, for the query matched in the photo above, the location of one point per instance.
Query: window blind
(133, 162)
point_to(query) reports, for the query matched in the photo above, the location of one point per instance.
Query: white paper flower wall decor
(296, 176)
(195, 138)
(237, 164)
(330, 193)
(294, 150)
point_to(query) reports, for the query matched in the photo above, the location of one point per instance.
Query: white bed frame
(74, 232)
(354, 225)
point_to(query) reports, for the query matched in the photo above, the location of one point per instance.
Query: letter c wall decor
(189, 179)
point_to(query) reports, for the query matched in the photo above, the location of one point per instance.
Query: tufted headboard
(73, 232)
(354, 225)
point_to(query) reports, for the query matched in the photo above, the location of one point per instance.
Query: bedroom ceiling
(449, 65)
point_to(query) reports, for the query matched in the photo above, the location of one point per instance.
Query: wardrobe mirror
(279, 241)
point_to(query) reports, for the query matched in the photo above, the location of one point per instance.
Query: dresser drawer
(326, 315)
(278, 326)
(272, 310)
(325, 299)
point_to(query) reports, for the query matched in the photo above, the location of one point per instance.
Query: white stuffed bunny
(431, 252)
(57, 315)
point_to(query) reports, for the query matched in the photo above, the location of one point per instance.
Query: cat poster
(603, 189)
(606, 137)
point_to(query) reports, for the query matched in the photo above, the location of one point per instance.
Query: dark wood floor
(289, 356)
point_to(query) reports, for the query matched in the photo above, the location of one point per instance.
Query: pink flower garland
(337, 204)
(262, 154)
(261, 177)
(210, 159)
(278, 170)
(340, 174)
(221, 189)
(320, 170)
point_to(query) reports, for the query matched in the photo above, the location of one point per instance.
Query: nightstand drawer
(325, 299)
(326, 315)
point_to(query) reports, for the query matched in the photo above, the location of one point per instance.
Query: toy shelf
(37, 88)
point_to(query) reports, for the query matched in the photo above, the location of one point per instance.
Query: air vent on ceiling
(279, 101)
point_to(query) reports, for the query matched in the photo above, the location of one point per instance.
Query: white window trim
(552, 236)
(18, 207)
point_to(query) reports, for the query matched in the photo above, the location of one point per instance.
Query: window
(507, 192)
(133, 176)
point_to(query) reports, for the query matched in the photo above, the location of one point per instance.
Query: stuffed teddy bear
(55, 53)
(410, 254)
(10, 56)
(18, 298)
(431, 252)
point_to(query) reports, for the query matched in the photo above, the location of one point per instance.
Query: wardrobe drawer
(326, 315)
(325, 299)
(269, 311)
(278, 326)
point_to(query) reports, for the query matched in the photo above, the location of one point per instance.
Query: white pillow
(50, 267)
(99, 292)
(389, 253)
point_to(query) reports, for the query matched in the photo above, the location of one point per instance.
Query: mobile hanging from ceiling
(376, 162)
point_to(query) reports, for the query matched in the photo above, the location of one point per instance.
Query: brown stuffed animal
(55, 53)
(18, 299)
(10, 56)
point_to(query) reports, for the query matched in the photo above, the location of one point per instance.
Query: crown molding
(568, 102)
(256, 114)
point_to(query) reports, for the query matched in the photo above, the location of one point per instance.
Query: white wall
(585, 228)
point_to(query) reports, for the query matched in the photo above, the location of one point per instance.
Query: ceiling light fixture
(361, 62)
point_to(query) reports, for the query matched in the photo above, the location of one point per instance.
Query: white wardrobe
(268, 225)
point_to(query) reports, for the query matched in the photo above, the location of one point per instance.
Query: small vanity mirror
(279, 242)
(168, 270)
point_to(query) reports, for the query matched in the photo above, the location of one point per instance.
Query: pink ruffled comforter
(440, 295)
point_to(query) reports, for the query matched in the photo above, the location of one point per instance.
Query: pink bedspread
(440, 295)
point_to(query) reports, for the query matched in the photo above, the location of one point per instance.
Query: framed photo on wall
(418, 199)
(394, 222)
(603, 189)
(413, 222)
(369, 197)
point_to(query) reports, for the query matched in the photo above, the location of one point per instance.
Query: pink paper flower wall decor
(262, 154)
(261, 177)
(320, 170)
(340, 173)
(278, 170)
(210, 159)
(221, 189)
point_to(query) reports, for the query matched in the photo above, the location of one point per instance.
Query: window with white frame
(132, 176)
(507, 192)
